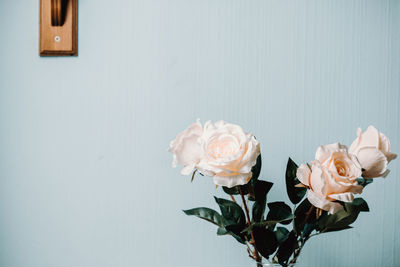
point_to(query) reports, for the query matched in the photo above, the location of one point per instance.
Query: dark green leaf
(338, 229)
(193, 174)
(287, 248)
(231, 191)
(207, 214)
(231, 211)
(261, 190)
(266, 242)
(279, 211)
(364, 181)
(235, 190)
(281, 234)
(342, 218)
(235, 230)
(360, 203)
(256, 170)
(308, 228)
(248, 189)
(258, 211)
(301, 214)
(264, 224)
(295, 194)
(251, 194)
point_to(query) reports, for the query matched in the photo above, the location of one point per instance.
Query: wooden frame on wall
(58, 28)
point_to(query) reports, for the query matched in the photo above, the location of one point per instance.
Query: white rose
(186, 149)
(372, 149)
(332, 177)
(230, 153)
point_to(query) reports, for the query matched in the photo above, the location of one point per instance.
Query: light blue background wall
(85, 179)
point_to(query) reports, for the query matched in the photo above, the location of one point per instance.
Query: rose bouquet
(273, 230)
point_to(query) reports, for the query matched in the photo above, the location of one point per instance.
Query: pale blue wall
(85, 179)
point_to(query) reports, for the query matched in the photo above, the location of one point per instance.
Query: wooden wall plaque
(58, 28)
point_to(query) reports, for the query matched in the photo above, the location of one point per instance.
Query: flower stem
(255, 256)
(298, 250)
(296, 253)
(309, 213)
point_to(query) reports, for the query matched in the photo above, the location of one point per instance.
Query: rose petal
(317, 180)
(356, 162)
(189, 151)
(231, 181)
(344, 166)
(185, 148)
(205, 172)
(324, 152)
(321, 203)
(303, 174)
(390, 156)
(335, 187)
(230, 153)
(369, 138)
(345, 197)
(356, 142)
(250, 158)
(384, 143)
(373, 161)
(188, 169)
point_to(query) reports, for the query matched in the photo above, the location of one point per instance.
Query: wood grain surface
(58, 28)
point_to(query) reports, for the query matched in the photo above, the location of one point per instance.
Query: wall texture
(85, 178)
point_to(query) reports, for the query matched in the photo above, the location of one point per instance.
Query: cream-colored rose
(230, 153)
(186, 148)
(372, 149)
(332, 177)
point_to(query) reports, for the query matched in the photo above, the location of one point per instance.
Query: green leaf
(235, 230)
(264, 224)
(360, 203)
(300, 216)
(222, 231)
(338, 229)
(266, 242)
(231, 211)
(308, 228)
(286, 249)
(258, 211)
(344, 217)
(235, 190)
(231, 191)
(279, 211)
(256, 170)
(281, 234)
(261, 190)
(295, 194)
(364, 181)
(207, 214)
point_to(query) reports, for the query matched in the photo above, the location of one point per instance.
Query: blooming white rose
(372, 149)
(186, 148)
(332, 177)
(230, 153)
